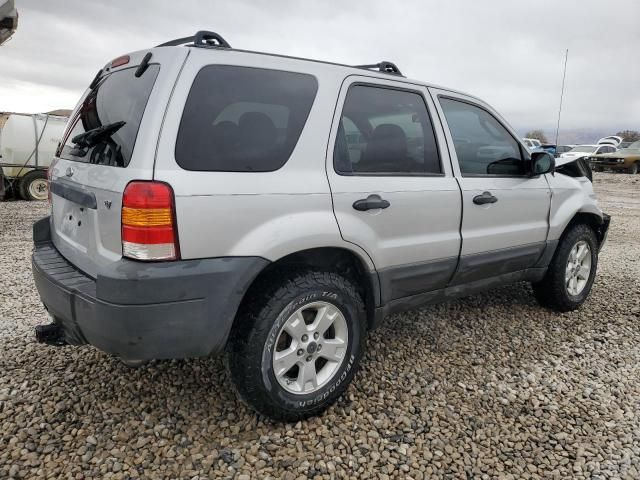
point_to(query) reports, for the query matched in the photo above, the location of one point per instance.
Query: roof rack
(384, 67)
(200, 39)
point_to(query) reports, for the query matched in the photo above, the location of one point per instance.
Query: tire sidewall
(578, 235)
(327, 394)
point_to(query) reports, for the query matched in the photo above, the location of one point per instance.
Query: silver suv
(207, 199)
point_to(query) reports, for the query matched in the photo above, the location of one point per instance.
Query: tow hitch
(51, 334)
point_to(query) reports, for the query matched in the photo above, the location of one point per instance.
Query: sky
(510, 53)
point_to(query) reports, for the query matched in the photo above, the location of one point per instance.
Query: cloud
(508, 53)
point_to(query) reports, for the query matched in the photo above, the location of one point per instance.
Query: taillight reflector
(148, 222)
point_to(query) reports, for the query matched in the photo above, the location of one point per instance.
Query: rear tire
(33, 186)
(572, 271)
(275, 369)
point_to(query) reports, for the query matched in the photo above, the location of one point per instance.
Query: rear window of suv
(110, 117)
(243, 119)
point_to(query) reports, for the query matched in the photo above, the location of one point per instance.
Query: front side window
(483, 146)
(385, 131)
(241, 119)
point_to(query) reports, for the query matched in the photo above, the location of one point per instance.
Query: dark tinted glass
(119, 97)
(483, 146)
(240, 119)
(385, 131)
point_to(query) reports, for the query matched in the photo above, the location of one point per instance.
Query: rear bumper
(143, 311)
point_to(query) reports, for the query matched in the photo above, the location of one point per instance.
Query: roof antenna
(564, 75)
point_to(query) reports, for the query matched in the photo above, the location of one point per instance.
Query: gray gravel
(490, 386)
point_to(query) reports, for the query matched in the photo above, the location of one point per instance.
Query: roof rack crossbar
(200, 39)
(384, 67)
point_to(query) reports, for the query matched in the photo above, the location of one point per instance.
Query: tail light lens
(49, 176)
(149, 222)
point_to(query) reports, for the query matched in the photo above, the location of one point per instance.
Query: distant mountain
(576, 136)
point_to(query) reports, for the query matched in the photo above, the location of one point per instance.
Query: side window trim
(524, 154)
(360, 83)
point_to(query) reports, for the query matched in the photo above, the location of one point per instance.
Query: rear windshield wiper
(96, 135)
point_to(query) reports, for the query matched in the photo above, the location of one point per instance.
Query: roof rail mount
(202, 38)
(384, 67)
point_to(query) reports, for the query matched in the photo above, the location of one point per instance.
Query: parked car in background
(277, 209)
(624, 145)
(582, 151)
(533, 144)
(560, 149)
(610, 140)
(550, 148)
(556, 150)
(625, 159)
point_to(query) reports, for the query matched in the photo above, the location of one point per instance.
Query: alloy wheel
(578, 268)
(310, 348)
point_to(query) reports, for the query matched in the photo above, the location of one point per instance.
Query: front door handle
(372, 202)
(485, 198)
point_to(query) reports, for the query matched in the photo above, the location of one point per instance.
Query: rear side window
(109, 118)
(241, 119)
(483, 146)
(385, 131)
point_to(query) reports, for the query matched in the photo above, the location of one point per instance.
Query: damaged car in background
(623, 160)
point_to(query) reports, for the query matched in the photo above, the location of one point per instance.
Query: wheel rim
(578, 268)
(38, 189)
(310, 348)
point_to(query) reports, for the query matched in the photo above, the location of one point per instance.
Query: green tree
(629, 135)
(538, 135)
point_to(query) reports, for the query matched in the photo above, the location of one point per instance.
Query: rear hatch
(120, 116)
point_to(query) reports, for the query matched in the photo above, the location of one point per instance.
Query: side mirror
(541, 163)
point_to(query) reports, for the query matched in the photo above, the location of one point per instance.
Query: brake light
(123, 60)
(149, 230)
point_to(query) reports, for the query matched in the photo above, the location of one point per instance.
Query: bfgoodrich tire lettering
(259, 322)
(552, 291)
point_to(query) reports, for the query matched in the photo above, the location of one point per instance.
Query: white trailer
(27, 146)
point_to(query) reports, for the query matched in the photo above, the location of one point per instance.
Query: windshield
(111, 113)
(635, 146)
(583, 149)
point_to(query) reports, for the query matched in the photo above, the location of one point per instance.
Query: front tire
(572, 271)
(634, 168)
(297, 344)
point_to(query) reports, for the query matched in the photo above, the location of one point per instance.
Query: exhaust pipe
(52, 334)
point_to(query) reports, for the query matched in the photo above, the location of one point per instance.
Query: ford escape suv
(206, 199)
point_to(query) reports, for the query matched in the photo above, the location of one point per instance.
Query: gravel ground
(490, 386)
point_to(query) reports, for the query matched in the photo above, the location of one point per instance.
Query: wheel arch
(341, 260)
(592, 220)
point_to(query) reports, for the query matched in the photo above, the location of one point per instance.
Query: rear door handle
(485, 198)
(372, 202)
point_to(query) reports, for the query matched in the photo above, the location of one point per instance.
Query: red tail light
(149, 230)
